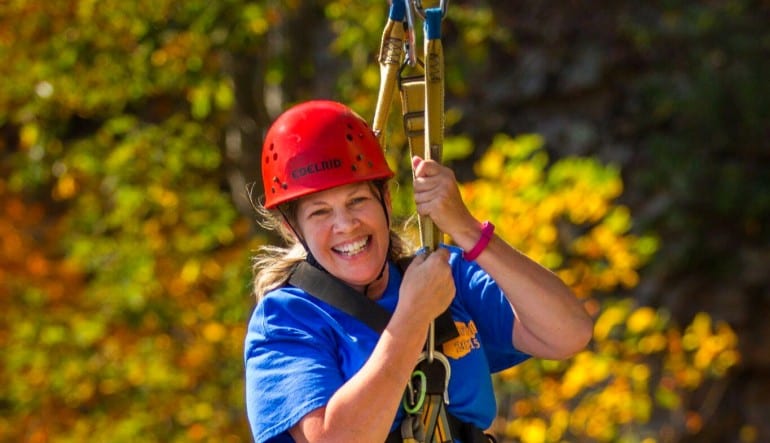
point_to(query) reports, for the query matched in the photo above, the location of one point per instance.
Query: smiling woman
(346, 230)
(311, 365)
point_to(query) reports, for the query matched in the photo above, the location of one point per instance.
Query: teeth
(352, 248)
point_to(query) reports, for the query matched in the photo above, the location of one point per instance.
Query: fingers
(424, 168)
(440, 254)
(428, 181)
(437, 195)
(428, 274)
(422, 256)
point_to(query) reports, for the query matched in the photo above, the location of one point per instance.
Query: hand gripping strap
(333, 291)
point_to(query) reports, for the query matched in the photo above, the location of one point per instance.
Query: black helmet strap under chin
(387, 254)
(310, 259)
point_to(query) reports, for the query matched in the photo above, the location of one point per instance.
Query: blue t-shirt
(300, 350)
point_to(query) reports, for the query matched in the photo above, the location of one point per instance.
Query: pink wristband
(487, 230)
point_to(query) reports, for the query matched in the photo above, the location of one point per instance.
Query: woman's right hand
(428, 286)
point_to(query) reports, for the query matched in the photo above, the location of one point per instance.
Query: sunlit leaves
(564, 215)
(125, 278)
(623, 381)
(561, 214)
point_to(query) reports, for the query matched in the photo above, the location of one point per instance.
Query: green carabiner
(421, 399)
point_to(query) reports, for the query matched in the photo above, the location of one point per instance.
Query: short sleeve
(291, 364)
(491, 311)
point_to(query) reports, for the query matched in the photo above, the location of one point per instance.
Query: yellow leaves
(29, 135)
(65, 188)
(652, 343)
(713, 349)
(190, 271)
(748, 434)
(534, 431)
(491, 166)
(530, 204)
(615, 384)
(586, 370)
(163, 196)
(640, 361)
(214, 332)
(255, 18)
(641, 320)
(206, 97)
(612, 317)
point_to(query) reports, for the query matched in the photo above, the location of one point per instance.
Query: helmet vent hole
(275, 156)
(349, 137)
(353, 168)
(284, 186)
(272, 146)
(360, 157)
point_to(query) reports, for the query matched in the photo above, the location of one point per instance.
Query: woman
(315, 373)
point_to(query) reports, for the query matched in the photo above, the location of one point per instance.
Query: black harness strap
(333, 291)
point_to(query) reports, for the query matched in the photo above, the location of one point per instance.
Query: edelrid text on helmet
(318, 145)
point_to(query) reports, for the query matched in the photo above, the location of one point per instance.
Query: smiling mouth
(352, 248)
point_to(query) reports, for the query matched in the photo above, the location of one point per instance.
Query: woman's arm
(363, 409)
(550, 321)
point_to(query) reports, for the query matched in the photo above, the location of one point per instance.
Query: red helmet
(315, 146)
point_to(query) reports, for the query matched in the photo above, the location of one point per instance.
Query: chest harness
(425, 397)
(425, 401)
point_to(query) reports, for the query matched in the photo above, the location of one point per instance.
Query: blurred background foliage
(623, 145)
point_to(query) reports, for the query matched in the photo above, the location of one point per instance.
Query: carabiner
(447, 368)
(420, 10)
(412, 405)
(411, 55)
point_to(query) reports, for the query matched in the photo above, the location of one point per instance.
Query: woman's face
(347, 232)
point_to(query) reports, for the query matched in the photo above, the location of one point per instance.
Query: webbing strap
(335, 292)
(434, 112)
(422, 105)
(391, 58)
(412, 91)
(461, 431)
(434, 413)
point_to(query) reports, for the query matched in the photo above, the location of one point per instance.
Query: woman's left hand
(437, 196)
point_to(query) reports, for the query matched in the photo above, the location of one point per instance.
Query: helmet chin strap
(312, 260)
(309, 258)
(387, 254)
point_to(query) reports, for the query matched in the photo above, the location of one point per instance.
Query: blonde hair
(273, 264)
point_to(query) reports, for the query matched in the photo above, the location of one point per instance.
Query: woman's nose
(345, 220)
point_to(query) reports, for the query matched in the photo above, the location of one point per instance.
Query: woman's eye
(318, 213)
